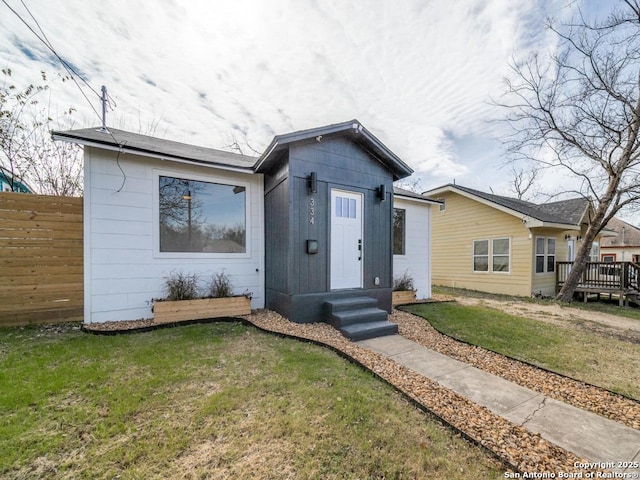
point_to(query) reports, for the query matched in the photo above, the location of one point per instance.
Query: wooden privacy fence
(41, 279)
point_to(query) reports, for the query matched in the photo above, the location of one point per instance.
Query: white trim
(544, 255)
(490, 255)
(333, 192)
(132, 151)
(157, 173)
(87, 227)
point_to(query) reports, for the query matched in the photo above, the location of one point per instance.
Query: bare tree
(523, 182)
(410, 183)
(27, 151)
(579, 110)
(234, 145)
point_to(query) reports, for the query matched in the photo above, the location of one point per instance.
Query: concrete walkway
(586, 434)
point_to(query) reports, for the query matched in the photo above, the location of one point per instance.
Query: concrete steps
(358, 318)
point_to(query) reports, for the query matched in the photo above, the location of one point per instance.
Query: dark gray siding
(297, 282)
(277, 238)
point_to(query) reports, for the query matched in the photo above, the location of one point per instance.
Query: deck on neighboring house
(613, 278)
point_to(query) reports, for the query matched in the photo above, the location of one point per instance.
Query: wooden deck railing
(603, 276)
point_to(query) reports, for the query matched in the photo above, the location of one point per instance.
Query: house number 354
(312, 211)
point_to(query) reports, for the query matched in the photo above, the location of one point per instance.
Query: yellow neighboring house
(503, 245)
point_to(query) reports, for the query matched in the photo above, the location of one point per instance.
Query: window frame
(474, 256)
(545, 255)
(404, 232)
(491, 256)
(217, 179)
(494, 255)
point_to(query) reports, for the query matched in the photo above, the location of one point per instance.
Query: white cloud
(418, 74)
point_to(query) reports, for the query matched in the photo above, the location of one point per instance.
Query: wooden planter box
(182, 310)
(403, 296)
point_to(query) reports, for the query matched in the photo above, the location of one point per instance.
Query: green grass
(209, 401)
(590, 357)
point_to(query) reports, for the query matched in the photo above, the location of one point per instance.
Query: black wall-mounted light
(567, 237)
(313, 182)
(382, 193)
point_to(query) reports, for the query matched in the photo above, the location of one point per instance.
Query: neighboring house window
(491, 255)
(201, 217)
(399, 227)
(481, 255)
(443, 205)
(595, 252)
(500, 254)
(545, 255)
(608, 257)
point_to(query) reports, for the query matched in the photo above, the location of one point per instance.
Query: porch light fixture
(312, 181)
(382, 193)
(567, 236)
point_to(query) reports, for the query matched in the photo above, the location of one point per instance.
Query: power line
(45, 41)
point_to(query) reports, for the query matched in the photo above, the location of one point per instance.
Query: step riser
(358, 318)
(351, 304)
(340, 321)
(373, 332)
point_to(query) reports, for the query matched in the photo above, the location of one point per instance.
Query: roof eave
(61, 136)
(418, 200)
(355, 129)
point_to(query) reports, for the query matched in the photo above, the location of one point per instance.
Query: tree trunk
(582, 257)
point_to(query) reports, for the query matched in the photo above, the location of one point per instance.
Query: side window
(500, 254)
(399, 216)
(545, 255)
(481, 255)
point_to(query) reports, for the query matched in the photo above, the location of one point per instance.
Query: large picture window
(399, 216)
(201, 217)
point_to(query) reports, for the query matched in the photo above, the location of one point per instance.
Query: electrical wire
(73, 74)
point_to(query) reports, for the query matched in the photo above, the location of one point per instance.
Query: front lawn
(209, 401)
(587, 356)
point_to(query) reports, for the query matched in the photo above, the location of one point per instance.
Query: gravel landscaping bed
(525, 451)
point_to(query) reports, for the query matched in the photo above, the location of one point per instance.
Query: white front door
(346, 240)
(571, 250)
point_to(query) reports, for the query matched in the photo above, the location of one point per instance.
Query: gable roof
(353, 129)
(628, 235)
(407, 194)
(562, 213)
(135, 143)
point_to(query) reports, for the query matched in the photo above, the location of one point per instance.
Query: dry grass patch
(209, 401)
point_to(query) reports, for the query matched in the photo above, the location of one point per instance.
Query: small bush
(220, 286)
(181, 286)
(403, 282)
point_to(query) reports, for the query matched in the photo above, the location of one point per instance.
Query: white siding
(417, 258)
(123, 270)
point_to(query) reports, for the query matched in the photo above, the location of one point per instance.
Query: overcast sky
(419, 74)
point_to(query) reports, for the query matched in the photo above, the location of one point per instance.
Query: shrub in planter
(403, 282)
(403, 289)
(181, 286)
(182, 302)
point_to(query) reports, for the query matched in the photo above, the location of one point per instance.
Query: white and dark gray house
(312, 225)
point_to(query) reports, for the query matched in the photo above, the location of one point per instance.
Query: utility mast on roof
(104, 110)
